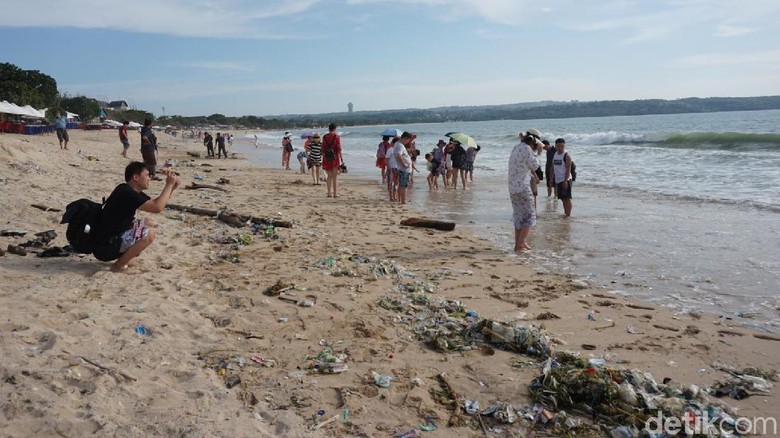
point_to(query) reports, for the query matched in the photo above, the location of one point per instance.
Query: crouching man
(119, 235)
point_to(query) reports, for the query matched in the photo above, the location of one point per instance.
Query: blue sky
(268, 57)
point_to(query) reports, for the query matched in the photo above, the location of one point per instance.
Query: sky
(274, 57)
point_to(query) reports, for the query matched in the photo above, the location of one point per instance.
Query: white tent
(113, 123)
(31, 112)
(10, 108)
(134, 125)
(27, 110)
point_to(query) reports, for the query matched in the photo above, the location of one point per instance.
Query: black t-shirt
(458, 155)
(118, 213)
(550, 155)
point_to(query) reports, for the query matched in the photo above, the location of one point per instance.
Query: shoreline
(199, 307)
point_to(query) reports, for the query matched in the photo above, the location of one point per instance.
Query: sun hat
(535, 132)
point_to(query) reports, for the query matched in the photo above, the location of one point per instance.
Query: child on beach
(433, 172)
(471, 156)
(302, 160)
(381, 153)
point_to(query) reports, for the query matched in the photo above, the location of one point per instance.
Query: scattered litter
(13, 233)
(429, 426)
(631, 329)
(471, 406)
(268, 363)
(141, 330)
(232, 381)
(546, 315)
(382, 381)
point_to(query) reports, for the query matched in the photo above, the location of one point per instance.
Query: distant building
(350, 107)
(118, 105)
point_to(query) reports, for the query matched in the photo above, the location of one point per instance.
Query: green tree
(138, 116)
(217, 118)
(27, 87)
(87, 108)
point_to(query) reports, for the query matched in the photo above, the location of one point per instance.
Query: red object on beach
(590, 371)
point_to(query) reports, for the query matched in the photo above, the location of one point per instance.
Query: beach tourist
(433, 172)
(438, 155)
(522, 167)
(302, 158)
(404, 163)
(392, 171)
(256, 143)
(61, 124)
(411, 148)
(315, 158)
(458, 156)
(287, 148)
(471, 156)
(562, 174)
(332, 159)
(548, 174)
(381, 154)
(149, 148)
(208, 141)
(448, 165)
(536, 149)
(123, 137)
(118, 234)
(221, 145)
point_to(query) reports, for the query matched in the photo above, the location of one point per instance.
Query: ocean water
(683, 210)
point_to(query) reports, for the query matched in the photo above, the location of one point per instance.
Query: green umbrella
(462, 138)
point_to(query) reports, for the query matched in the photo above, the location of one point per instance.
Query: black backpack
(82, 217)
(573, 168)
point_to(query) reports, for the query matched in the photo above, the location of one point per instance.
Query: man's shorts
(62, 134)
(469, 166)
(119, 244)
(563, 193)
(125, 144)
(403, 178)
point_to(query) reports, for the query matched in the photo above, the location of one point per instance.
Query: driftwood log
(194, 186)
(193, 154)
(428, 223)
(230, 218)
(44, 208)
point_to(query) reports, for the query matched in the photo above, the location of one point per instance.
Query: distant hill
(538, 110)
(515, 111)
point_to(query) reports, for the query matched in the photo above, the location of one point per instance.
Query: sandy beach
(219, 357)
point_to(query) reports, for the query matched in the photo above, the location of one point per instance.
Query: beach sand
(74, 365)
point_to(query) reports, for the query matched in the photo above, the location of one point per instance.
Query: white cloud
(204, 18)
(725, 30)
(495, 11)
(722, 59)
